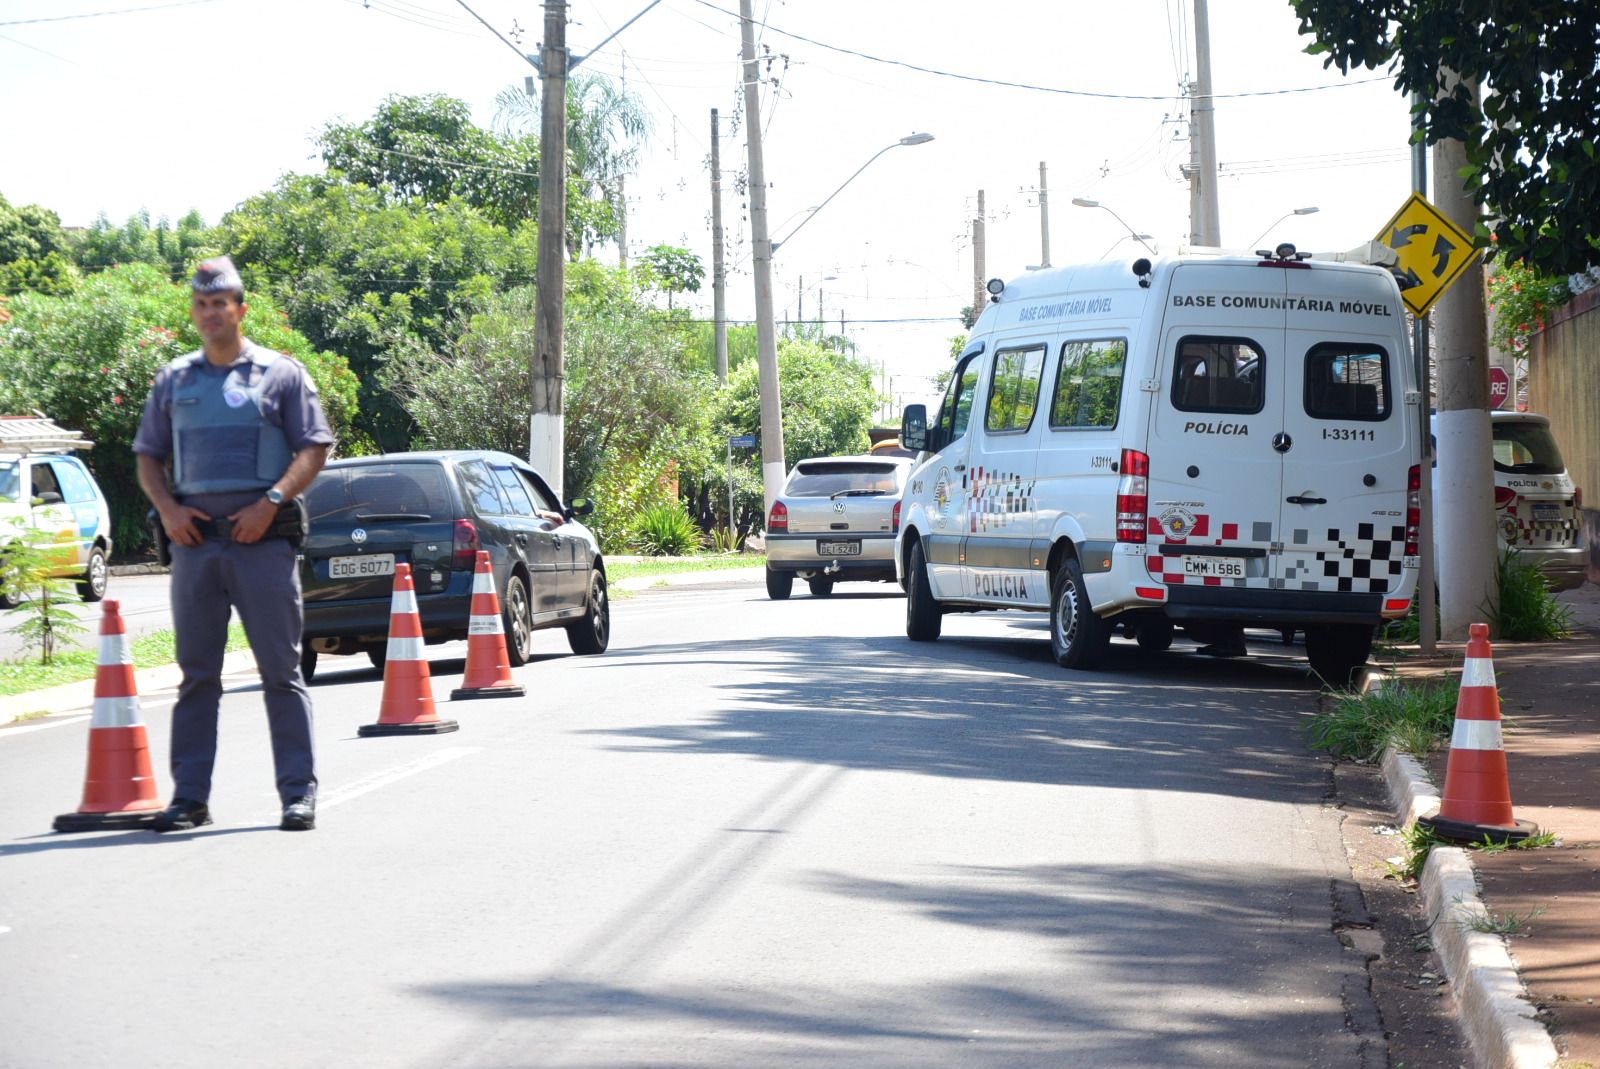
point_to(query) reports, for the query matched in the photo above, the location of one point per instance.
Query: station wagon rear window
(1218, 375)
(1347, 381)
(826, 478)
(369, 492)
(1526, 448)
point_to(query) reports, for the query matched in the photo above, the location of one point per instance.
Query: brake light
(464, 550)
(894, 519)
(778, 518)
(1414, 510)
(1503, 496)
(1133, 496)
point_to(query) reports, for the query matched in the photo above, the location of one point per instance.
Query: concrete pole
(1465, 507)
(773, 468)
(546, 429)
(979, 293)
(719, 296)
(1204, 227)
(1044, 219)
(1427, 607)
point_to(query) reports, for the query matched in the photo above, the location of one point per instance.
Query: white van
(1212, 441)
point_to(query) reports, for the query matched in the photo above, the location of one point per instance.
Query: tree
(672, 269)
(34, 250)
(1530, 145)
(828, 401)
(175, 248)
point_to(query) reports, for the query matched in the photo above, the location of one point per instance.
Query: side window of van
(1218, 375)
(1348, 381)
(957, 407)
(1089, 384)
(1014, 393)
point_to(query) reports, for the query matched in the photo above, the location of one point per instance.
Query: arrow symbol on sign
(1442, 249)
(1402, 238)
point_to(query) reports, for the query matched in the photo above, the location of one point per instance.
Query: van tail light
(1414, 510)
(1503, 496)
(778, 518)
(894, 519)
(1133, 496)
(464, 550)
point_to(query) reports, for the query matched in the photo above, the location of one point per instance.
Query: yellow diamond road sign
(1433, 251)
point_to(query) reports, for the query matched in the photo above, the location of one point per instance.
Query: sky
(170, 106)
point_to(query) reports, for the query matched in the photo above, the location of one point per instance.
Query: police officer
(245, 433)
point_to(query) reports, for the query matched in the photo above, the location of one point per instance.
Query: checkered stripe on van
(1369, 562)
(1519, 528)
(995, 497)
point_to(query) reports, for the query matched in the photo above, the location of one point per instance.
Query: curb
(72, 698)
(720, 575)
(1496, 1014)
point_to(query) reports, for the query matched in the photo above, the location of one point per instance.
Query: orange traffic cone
(407, 706)
(488, 673)
(1477, 794)
(119, 789)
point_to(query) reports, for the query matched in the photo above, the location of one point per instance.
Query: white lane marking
(6, 732)
(371, 783)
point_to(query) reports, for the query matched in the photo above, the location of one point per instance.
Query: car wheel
(592, 633)
(518, 625)
(1155, 635)
(779, 584)
(308, 663)
(93, 586)
(924, 616)
(1078, 638)
(821, 585)
(1337, 650)
(378, 655)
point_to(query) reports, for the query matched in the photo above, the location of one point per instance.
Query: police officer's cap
(217, 275)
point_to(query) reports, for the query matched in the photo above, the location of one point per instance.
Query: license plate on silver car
(366, 566)
(838, 549)
(1546, 513)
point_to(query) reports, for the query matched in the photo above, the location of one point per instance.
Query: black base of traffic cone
(515, 690)
(427, 727)
(105, 821)
(1457, 831)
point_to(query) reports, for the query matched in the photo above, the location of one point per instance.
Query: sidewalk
(1550, 700)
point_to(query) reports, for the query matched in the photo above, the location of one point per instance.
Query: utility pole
(622, 220)
(1044, 219)
(546, 426)
(1204, 228)
(978, 269)
(1466, 437)
(773, 468)
(719, 297)
(1427, 605)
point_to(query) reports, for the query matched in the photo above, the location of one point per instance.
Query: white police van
(1205, 440)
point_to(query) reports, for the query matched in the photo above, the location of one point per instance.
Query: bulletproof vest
(221, 440)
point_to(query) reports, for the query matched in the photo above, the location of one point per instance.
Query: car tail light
(894, 519)
(1151, 593)
(1414, 510)
(1133, 496)
(778, 518)
(464, 552)
(1503, 496)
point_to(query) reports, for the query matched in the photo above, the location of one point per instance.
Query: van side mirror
(914, 428)
(578, 507)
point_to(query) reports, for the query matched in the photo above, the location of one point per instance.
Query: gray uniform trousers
(261, 581)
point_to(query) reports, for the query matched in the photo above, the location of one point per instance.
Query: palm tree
(606, 126)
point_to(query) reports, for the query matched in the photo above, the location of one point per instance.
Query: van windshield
(1526, 449)
(818, 479)
(371, 492)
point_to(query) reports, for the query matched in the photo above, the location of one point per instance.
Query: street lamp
(1141, 238)
(1311, 210)
(772, 461)
(1085, 202)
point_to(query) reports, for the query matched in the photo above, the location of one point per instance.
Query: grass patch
(1413, 717)
(75, 665)
(1418, 841)
(1532, 842)
(1526, 610)
(1508, 923)
(618, 570)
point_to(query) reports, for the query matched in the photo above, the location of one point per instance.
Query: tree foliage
(175, 248)
(1522, 301)
(1531, 144)
(671, 269)
(34, 251)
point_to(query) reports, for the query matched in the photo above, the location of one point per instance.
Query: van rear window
(1526, 448)
(367, 492)
(1347, 381)
(1218, 375)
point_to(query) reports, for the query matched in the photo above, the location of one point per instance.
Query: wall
(1564, 384)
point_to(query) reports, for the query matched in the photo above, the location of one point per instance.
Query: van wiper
(857, 493)
(393, 516)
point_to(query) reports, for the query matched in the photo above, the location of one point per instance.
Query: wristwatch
(275, 496)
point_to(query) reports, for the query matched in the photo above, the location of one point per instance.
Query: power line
(103, 14)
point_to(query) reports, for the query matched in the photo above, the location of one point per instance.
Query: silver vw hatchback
(835, 521)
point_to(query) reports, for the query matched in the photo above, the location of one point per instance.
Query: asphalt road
(144, 604)
(753, 833)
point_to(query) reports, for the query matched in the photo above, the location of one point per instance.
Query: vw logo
(359, 535)
(838, 506)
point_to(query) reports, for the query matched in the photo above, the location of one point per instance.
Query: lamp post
(772, 462)
(1310, 210)
(1085, 202)
(1137, 237)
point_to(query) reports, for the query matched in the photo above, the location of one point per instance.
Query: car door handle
(1297, 499)
(522, 539)
(961, 467)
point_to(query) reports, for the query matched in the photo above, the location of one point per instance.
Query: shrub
(665, 531)
(1413, 717)
(1526, 611)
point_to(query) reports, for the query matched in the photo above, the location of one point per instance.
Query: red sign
(1499, 387)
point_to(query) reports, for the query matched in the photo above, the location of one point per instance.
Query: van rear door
(1215, 483)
